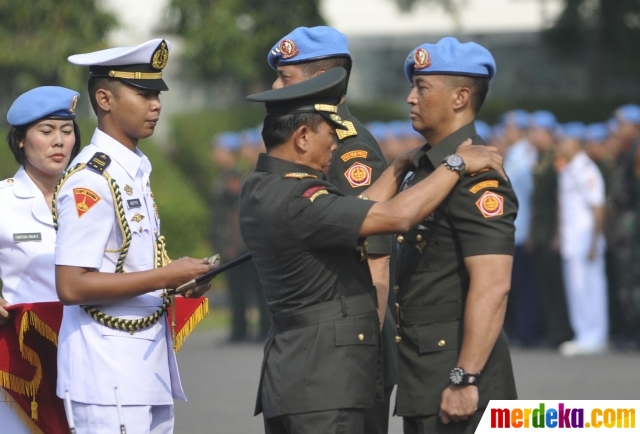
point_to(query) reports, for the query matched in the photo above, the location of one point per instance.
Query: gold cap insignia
(288, 49)
(160, 56)
(74, 101)
(421, 59)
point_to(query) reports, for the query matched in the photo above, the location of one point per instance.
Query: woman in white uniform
(44, 138)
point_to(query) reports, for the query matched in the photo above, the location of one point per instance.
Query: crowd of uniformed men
(325, 212)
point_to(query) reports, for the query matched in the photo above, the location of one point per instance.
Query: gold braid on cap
(136, 75)
(162, 258)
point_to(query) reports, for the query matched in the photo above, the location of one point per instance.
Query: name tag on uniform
(134, 203)
(21, 238)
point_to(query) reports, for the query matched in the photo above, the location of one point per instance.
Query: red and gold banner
(28, 358)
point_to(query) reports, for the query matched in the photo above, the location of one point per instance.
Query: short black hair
(277, 129)
(17, 135)
(478, 86)
(311, 68)
(96, 83)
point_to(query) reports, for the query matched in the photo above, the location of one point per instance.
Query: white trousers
(585, 284)
(9, 420)
(138, 419)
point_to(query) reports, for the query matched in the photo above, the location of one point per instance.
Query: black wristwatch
(456, 163)
(460, 377)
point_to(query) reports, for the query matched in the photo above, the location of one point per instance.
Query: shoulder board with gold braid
(351, 131)
(99, 162)
(299, 175)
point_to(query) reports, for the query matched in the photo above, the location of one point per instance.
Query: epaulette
(7, 182)
(351, 131)
(99, 162)
(299, 175)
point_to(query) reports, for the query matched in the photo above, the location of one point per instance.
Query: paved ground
(221, 381)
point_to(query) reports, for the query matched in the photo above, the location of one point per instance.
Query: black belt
(418, 315)
(323, 312)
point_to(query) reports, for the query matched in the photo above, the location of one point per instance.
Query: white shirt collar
(24, 185)
(130, 161)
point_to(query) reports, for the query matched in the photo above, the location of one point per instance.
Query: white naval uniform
(27, 248)
(93, 359)
(581, 188)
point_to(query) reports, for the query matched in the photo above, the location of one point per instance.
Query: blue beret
(43, 102)
(497, 131)
(450, 57)
(378, 130)
(612, 125)
(252, 137)
(228, 140)
(543, 119)
(629, 113)
(573, 130)
(483, 129)
(518, 118)
(597, 132)
(309, 43)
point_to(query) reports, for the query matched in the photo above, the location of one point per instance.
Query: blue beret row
(543, 119)
(597, 132)
(629, 113)
(572, 130)
(309, 43)
(518, 118)
(450, 57)
(43, 102)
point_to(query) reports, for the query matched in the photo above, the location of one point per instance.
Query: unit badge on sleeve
(358, 175)
(490, 204)
(85, 200)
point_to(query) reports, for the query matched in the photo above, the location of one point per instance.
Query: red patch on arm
(85, 200)
(310, 191)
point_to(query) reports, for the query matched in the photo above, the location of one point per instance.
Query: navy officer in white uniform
(111, 267)
(43, 138)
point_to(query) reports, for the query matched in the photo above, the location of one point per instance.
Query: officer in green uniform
(356, 164)
(454, 267)
(322, 363)
(543, 233)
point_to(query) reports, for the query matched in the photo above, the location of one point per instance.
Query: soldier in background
(243, 283)
(543, 233)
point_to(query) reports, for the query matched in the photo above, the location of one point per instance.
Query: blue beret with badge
(572, 130)
(518, 118)
(140, 66)
(450, 57)
(51, 102)
(306, 44)
(629, 113)
(543, 119)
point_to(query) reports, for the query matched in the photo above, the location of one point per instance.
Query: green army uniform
(544, 229)
(476, 218)
(357, 163)
(322, 364)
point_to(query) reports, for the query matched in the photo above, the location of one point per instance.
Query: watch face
(454, 160)
(457, 375)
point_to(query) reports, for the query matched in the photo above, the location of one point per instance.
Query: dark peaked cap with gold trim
(139, 66)
(320, 94)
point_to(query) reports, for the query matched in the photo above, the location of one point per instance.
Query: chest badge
(137, 217)
(490, 204)
(128, 189)
(85, 200)
(358, 175)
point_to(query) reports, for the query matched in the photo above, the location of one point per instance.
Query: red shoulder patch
(85, 200)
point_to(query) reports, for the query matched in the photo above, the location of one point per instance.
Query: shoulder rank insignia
(484, 184)
(353, 154)
(490, 204)
(358, 175)
(313, 192)
(350, 131)
(99, 162)
(299, 175)
(85, 200)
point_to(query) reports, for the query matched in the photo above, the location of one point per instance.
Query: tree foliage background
(37, 37)
(230, 39)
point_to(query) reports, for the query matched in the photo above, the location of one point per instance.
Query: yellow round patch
(490, 204)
